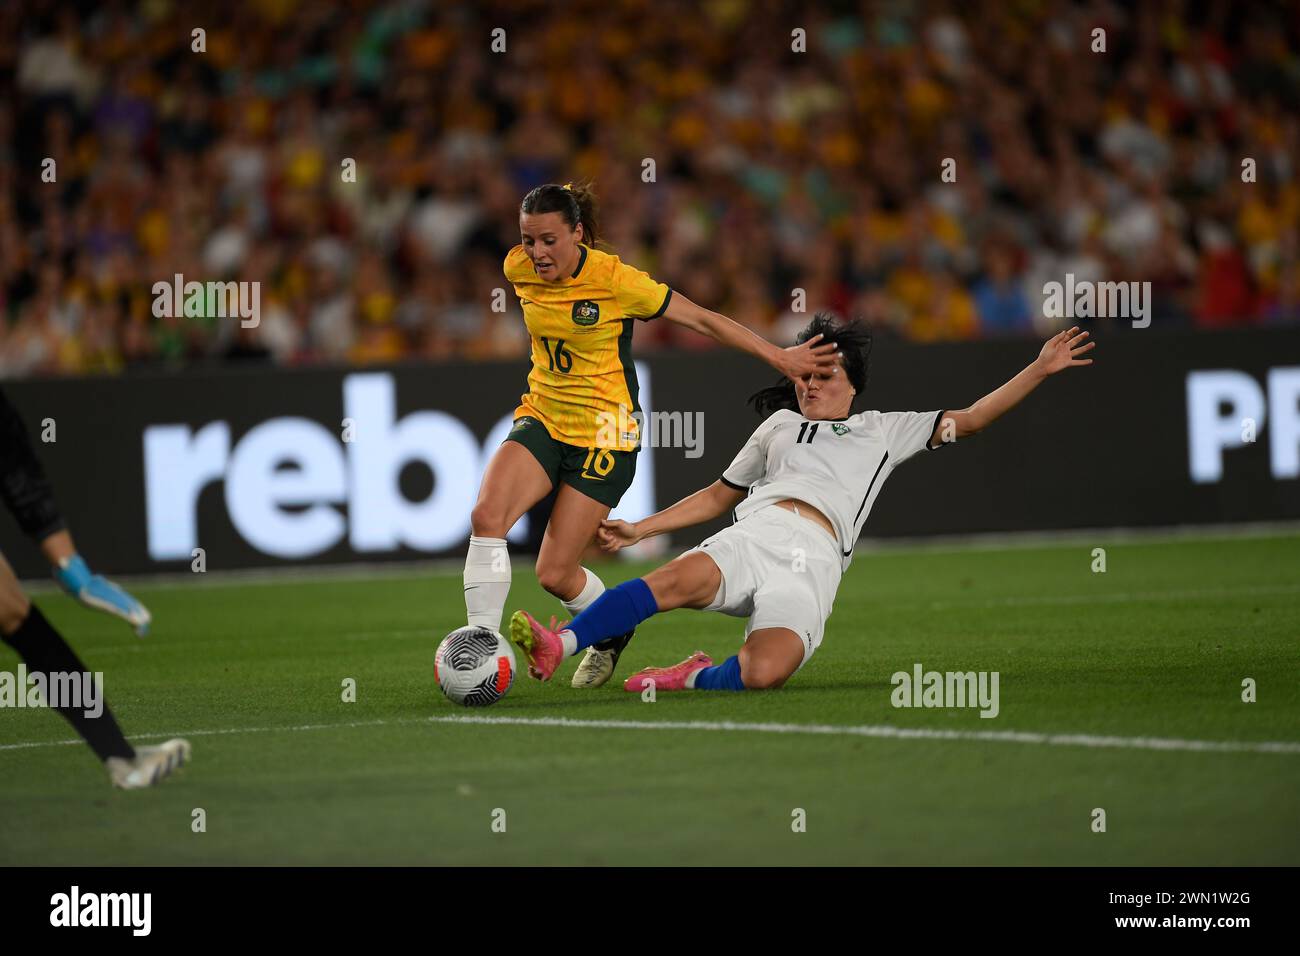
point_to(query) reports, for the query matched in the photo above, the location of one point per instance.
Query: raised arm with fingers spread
(1061, 351)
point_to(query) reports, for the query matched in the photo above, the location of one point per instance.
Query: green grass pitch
(288, 773)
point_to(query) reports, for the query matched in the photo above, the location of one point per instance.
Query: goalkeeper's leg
(44, 651)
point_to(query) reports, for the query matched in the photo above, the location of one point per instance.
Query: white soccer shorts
(779, 570)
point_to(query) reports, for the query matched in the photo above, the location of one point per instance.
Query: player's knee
(488, 520)
(556, 579)
(760, 673)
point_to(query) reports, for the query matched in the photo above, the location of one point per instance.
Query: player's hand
(800, 361)
(1063, 350)
(101, 594)
(613, 535)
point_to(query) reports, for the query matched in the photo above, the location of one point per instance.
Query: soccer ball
(474, 666)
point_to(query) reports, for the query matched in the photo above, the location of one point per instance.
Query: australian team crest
(839, 429)
(586, 312)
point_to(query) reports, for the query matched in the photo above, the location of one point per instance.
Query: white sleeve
(750, 463)
(907, 433)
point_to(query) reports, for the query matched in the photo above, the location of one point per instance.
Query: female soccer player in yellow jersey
(574, 427)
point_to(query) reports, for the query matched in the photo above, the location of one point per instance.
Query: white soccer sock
(592, 589)
(487, 581)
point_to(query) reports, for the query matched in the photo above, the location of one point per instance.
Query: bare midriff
(805, 510)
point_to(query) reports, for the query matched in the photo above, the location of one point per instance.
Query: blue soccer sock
(614, 613)
(724, 676)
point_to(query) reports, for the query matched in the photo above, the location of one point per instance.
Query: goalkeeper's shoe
(541, 645)
(96, 591)
(599, 662)
(149, 765)
(668, 678)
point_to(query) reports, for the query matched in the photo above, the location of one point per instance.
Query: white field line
(228, 730)
(881, 731)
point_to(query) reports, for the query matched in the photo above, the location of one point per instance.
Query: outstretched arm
(1061, 351)
(705, 505)
(794, 362)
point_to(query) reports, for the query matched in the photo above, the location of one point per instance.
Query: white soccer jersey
(836, 465)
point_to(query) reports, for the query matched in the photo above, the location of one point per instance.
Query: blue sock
(614, 613)
(724, 676)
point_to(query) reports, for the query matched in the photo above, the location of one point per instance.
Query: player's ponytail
(575, 202)
(854, 340)
(588, 211)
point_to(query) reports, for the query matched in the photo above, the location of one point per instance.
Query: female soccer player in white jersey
(802, 488)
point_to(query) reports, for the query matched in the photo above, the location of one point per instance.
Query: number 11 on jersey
(811, 434)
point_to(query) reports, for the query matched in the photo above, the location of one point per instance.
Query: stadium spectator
(774, 170)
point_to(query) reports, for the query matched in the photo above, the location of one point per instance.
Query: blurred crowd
(774, 169)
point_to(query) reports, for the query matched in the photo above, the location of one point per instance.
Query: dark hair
(854, 339)
(575, 202)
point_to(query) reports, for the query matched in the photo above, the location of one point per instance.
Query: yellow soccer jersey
(583, 385)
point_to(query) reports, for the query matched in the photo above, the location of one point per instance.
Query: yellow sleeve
(638, 295)
(517, 265)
